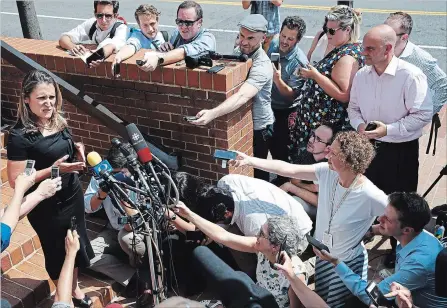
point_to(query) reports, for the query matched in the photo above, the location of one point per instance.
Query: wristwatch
(98, 195)
(161, 60)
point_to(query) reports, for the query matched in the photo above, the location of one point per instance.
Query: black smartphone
(274, 57)
(216, 68)
(97, 55)
(195, 236)
(316, 243)
(140, 62)
(190, 118)
(226, 155)
(281, 249)
(29, 166)
(377, 297)
(73, 224)
(54, 172)
(370, 126)
(116, 69)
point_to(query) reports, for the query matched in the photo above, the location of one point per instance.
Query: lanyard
(345, 195)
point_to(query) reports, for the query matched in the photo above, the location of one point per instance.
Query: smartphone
(316, 243)
(116, 69)
(281, 249)
(195, 236)
(377, 297)
(140, 62)
(216, 68)
(190, 118)
(29, 166)
(370, 126)
(73, 224)
(225, 155)
(97, 55)
(274, 57)
(54, 172)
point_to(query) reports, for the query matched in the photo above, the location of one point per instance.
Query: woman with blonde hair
(325, 94)
(41, 134)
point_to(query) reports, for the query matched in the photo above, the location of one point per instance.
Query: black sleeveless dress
(52, 217)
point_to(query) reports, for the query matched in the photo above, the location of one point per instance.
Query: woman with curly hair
(347, 205)
(325, 94)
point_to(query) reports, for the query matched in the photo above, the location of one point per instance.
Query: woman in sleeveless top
(325, 94)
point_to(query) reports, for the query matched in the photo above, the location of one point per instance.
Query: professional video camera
(153, 186)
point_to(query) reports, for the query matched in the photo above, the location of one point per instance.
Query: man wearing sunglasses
(104, 29)
(189, 39)
(306, 192)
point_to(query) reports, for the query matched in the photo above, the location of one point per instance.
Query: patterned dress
(315, 106)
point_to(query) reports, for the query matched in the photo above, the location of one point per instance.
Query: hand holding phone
(225, 155)
(275, 59)
(54, 172)
(73, 224)
(316, 243)
(279, 258)
(140, 62)
(190, 118)
(29, 167)
(97, 55)
(195, 236)
(371, 126)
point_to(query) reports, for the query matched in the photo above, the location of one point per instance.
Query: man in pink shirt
(393, 95)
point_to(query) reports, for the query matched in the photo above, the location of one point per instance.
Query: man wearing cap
(258, 86)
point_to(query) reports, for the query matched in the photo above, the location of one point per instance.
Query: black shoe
(390, 260)
(86, 302)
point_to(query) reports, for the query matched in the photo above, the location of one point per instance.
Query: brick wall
(155, 101)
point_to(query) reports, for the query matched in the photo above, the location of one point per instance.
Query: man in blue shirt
(404, 219)
(285, 81)
(147, 37)
(189, 39)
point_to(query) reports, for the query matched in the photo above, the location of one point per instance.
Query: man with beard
(306, 192)
(258, 86)
(285, 81)
(189, 39)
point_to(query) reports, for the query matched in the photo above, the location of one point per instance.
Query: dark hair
(335, 128)
(413, 210)
(115, 4)
(214, 202)
(295, 23)
(116, 158)
(189, 188)
(190, 4)
(404, 19)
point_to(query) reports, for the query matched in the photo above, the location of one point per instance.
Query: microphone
(97, 164)
(138, 143)
(218, 56)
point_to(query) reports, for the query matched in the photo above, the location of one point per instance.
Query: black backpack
(112, 32)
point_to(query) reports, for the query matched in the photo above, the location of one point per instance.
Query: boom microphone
(218, 56)
(138, 143)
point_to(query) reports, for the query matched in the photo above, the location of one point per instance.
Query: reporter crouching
(41, 134)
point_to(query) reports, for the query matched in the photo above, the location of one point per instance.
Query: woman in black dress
(41, 134)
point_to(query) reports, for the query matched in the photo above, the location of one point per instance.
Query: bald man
(392, 94)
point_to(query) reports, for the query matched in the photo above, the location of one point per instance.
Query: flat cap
(254, 23)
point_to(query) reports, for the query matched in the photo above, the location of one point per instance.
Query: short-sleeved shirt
(80, 34)
(261, 77)
(354, 216)
(271, 14)
(5, 235)
(289, 63)
(256, 200)
(138, 40)
(201, 44)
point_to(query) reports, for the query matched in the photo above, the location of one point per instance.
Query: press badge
(327, 239)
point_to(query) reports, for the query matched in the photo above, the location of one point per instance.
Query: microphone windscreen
(138, 143)
(93, 158)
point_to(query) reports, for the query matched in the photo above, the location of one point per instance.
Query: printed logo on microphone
(135, 137)
(104, 165)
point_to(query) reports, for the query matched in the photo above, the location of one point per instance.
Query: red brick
(198, 164)
(223, 80)
(41, 60)
(183, 137)
(133, 72)
(168, 74)
(171, 126)
(50, 63)
(174, 144)
(6, 261)
(157, 75)
(28, 248)
(148, 122)
(208, 175)
(102, 70)
(69, 65)
(12, 300)
(171, 90)
(134, 94)
(144, 76)
(92, 142)
(147, 87)
(179, 101)
(193, 78)
(190, 170)
(180, 77)
(169, 108)
(79, 66)
(206, 80)
(196, 130)
(18, 291)
(198, 148)
(60, 64)
(100, 136)
(194, 94)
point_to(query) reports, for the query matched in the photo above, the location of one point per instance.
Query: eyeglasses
(400, 34)
(101, 15)
(186, 23)
(332, 31)
(261, 234)
(316, 138)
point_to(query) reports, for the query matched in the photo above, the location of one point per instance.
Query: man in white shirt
(105, 30)
(393, 95)
(248, 202)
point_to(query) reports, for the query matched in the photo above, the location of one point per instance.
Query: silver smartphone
(29, 166)
(54, 172)
(274, 57)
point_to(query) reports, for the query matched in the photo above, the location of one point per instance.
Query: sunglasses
(316, 138)
(332, 31)
(186, 23)
(101, 15)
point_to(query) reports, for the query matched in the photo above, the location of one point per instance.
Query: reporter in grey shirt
(257, 86)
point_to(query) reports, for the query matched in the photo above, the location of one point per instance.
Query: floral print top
(315, 106)
(274, 281)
